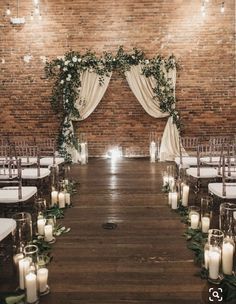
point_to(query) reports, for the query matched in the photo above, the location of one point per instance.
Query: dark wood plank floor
(143, 261)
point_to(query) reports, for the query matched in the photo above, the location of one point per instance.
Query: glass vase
(227, 219)
(22, 234)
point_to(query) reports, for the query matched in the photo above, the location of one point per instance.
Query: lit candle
(31, 287)
(205, 224)
(194, 219)
(40, 225)
(62, 200)
(185, 195)
(54, 197)
(42, 278)
(227, 258)
(48, 233)
(67, 196)
(17, 257)
(174, 200)
(214, 263)
(24, 266)
(152, 152)
(83, 157)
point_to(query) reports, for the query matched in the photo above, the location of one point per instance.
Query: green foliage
(166, 188)
(55, 211)
(66, 72)
(71, 187)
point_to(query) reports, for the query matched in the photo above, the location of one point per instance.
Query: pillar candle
(170, 198)
(54, 197)
(62, 200)
(42, 278)
(227, 258)
(31, 287)
(206, 258)
(17, 257)
(83, 157)
(24, 266)
(185, 195)
(67, 197)
(174, 200)
(214, 263)
(40, 225)
(205, 224)
(152, 152)
(48, 233)
(194, 219)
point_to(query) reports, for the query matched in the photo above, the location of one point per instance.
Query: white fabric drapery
(142, 87)
(91, 93)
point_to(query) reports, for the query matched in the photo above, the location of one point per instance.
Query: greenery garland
(66, 71)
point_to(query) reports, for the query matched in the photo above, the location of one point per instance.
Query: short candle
(62, 200)
(31, 288)
(41, 225)
(54, 197)
(48, 233)
(214, 264)
(194, 220)
(24, 266)
(227, 258)
(42, 278)
(185, 195)
(205, 224)
(174, 200)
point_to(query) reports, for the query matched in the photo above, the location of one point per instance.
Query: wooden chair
(187, 152)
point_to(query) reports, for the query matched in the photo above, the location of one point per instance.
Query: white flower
(114, 59)
(67, 79)
(62, 81)
(58, 66)
(69, 76)
(66, 101)
(65, 69)
(133, 57)
(79, 60)
(146, 61)
(67, 62)
(74, 59)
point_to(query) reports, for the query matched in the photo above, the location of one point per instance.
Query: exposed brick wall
(204, 47)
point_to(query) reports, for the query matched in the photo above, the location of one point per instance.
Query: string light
(8, 11)
(222, 8)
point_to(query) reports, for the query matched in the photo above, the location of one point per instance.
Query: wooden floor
(143, 261)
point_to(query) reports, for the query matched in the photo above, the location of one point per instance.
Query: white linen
(48, 161)
(142, 87)
(7, 225)
(10, 194)
(32, 173)
(217, 189)
(205, 172)
(188, 161)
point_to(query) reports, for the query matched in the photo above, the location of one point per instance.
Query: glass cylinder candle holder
(206, 255)
(31, 252)
(227, 219)
(49, 229)
(22, 234)
(206, 213)
(214, 262)
(194, 216)
(31, 288)
(228, 250)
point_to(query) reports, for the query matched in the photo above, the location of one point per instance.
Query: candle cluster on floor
(214, 248)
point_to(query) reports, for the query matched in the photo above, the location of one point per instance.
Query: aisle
(144, 260)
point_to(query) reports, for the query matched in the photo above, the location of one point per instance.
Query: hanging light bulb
(222, 7)
(8, 11)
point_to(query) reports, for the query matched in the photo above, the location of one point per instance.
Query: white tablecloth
(205, 172)
(217, 189)
(10, 194)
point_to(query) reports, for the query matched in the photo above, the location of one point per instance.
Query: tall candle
(48, 233)
(152, 152)
(31, 288)
(206, 258)
(194, 219)
(24, 266)
(54, 197)
(17, 257)
(42, 278)
(41, 225)
(62, 200)
(227, 258)
(67, 196)
(205, 224)
(174, 200)
(185, 195)
(83, 157)
(214, 263)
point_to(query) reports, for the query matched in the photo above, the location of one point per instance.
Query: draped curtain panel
(142, 87)
(91, 93)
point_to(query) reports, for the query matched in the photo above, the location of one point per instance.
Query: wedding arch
(80, 81)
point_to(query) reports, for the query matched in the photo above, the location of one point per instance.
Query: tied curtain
(91, 93)
(142, 87)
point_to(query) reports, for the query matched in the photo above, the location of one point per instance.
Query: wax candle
(174, 200)
(227, 258)
(62, 200)
(152, 152)
(83, 157)
(214, 263)
(206, 258)
(17, 257)
(48, 233)
(67, 197)
(41, 225)
(194, 219)
(31, 287)
(24, 266)
(205, 224)
(54, 197)
(42, 278)
(185, 195)
(170, 198)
